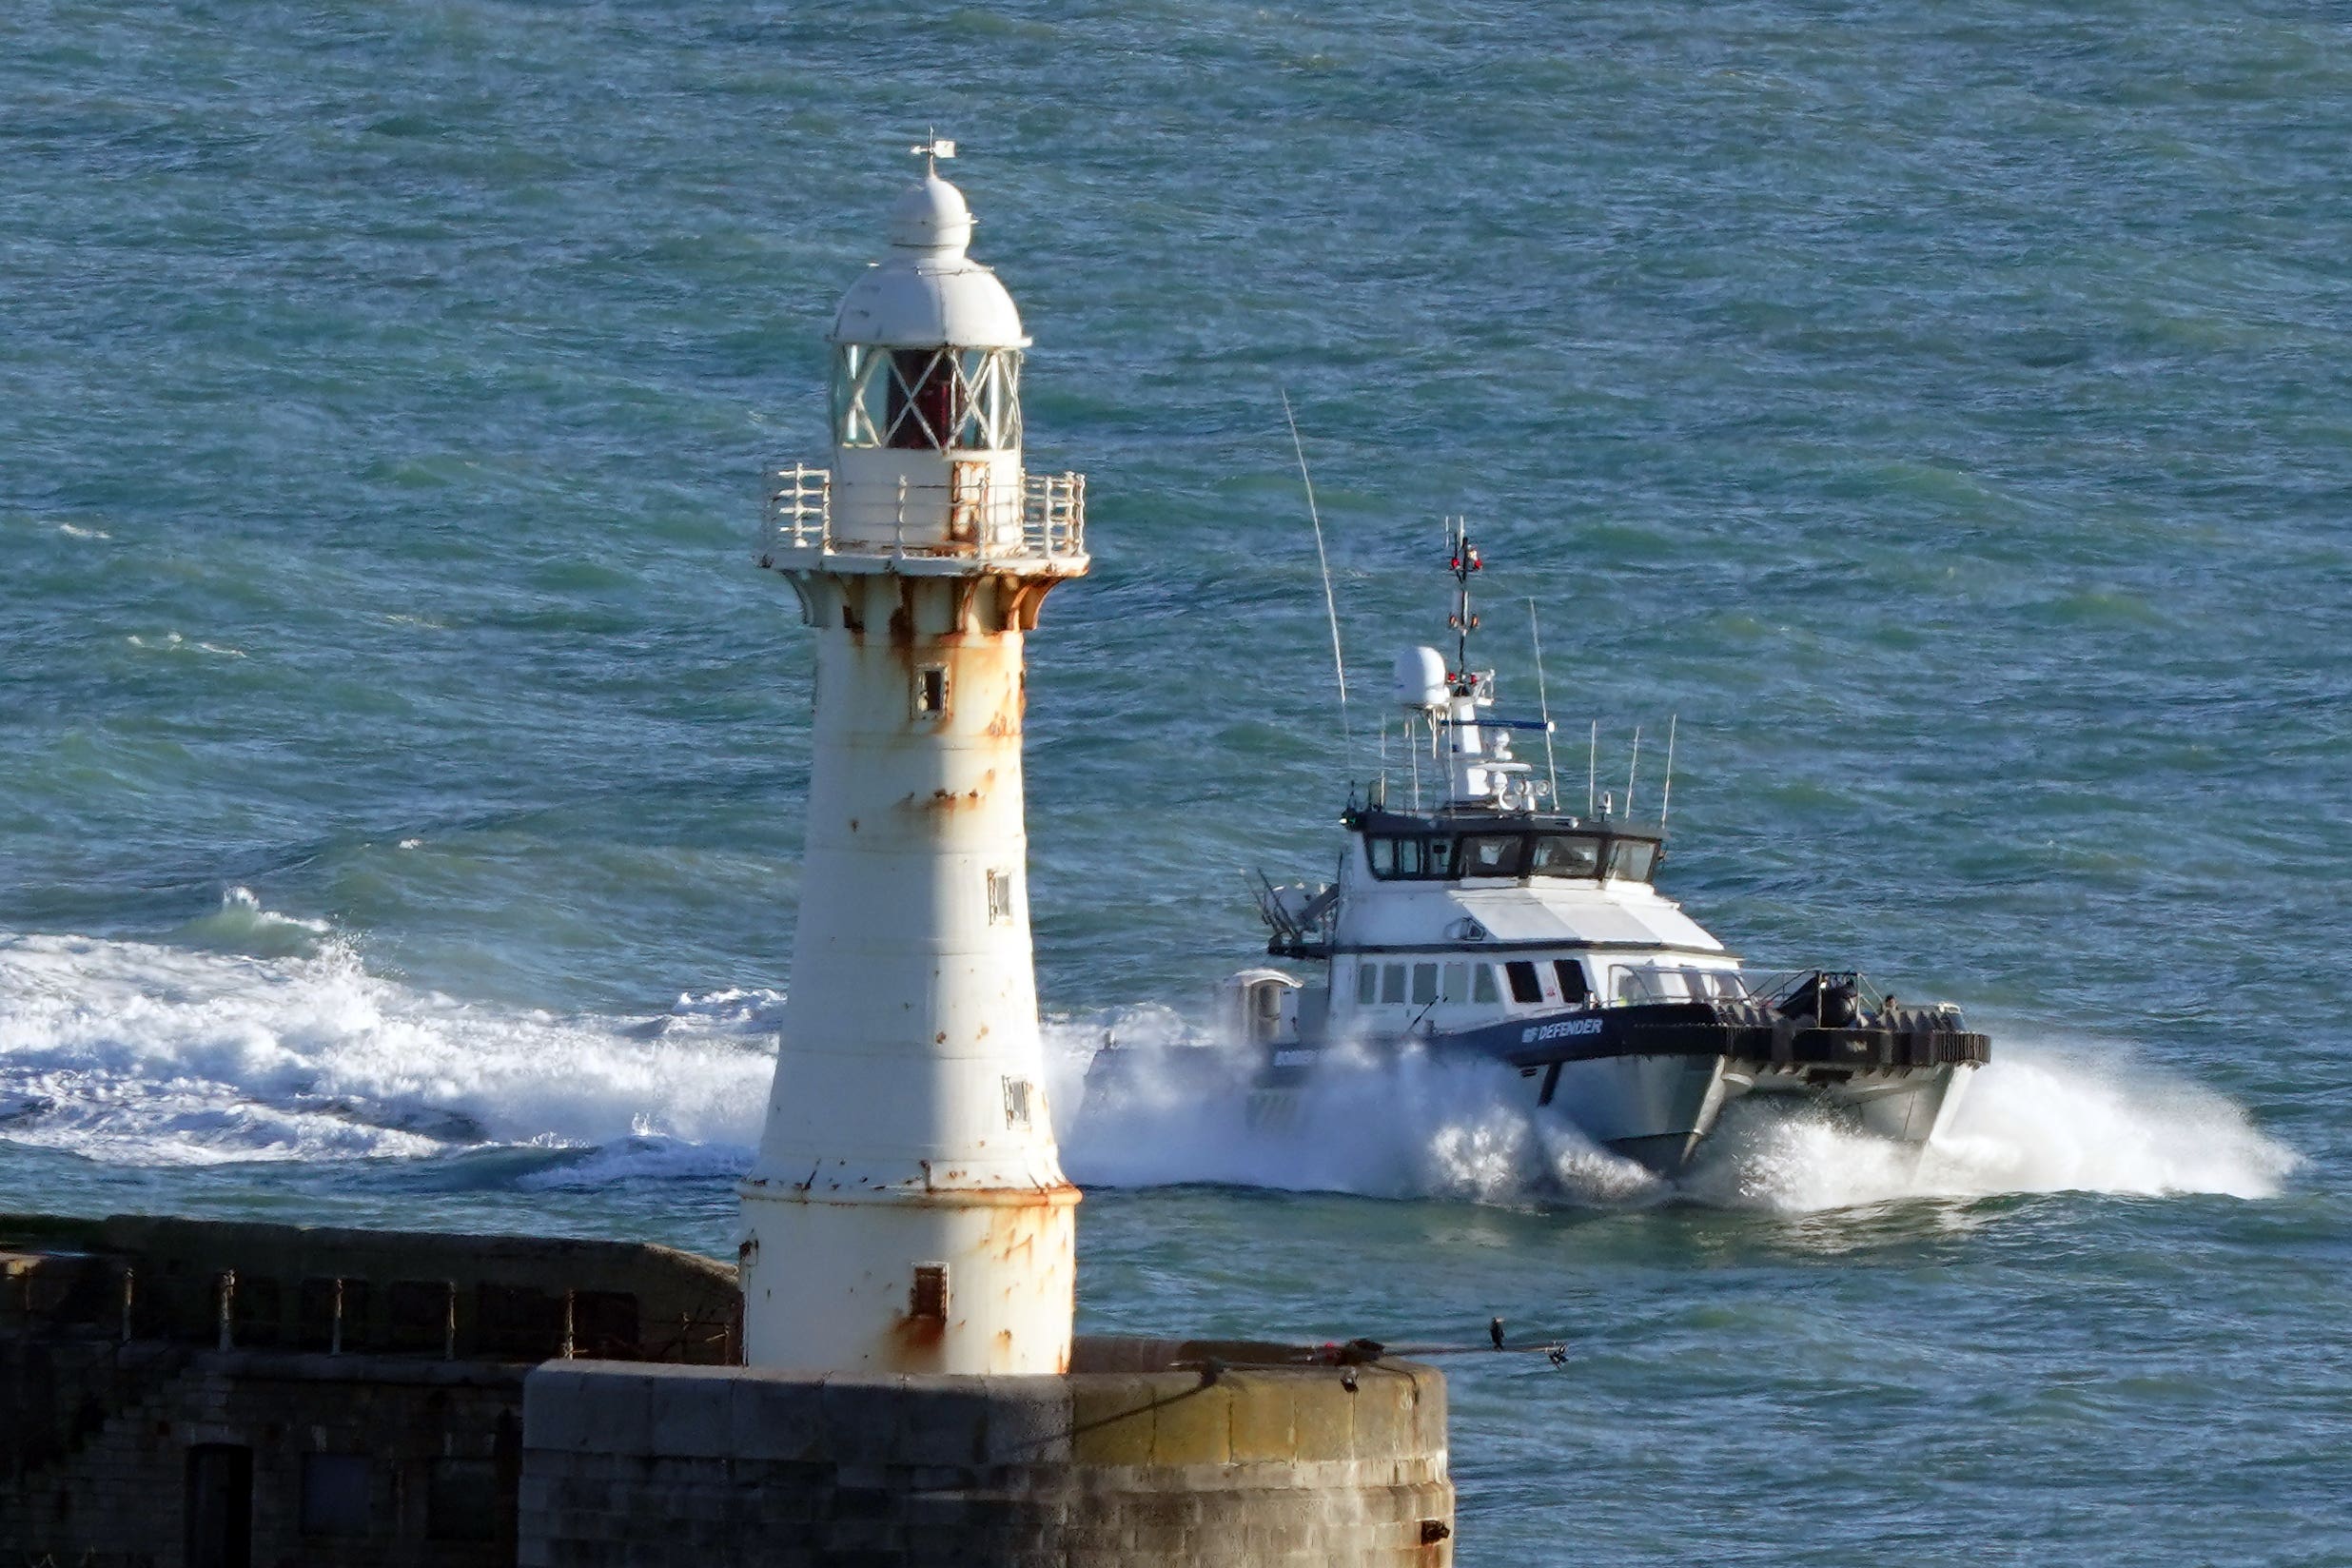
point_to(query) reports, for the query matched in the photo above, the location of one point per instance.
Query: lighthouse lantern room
(907, 1211)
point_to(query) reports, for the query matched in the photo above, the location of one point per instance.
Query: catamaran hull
(1658, 1110)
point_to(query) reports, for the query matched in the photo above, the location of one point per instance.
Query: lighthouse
(907, 1211)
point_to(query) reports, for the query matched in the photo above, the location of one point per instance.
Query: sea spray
(147, 1055)
(2039, 1119)
(137, 1053)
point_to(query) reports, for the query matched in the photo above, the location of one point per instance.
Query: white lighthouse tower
(907, 1210)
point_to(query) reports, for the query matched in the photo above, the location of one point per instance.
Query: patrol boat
(1490, 924)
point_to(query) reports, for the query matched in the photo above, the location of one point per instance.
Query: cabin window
(1491, 854)
(1455, 987)
(1558, 854)
(1367, 983)
(1410, 858)
(1424, 983)
(1632, 858)
(930, 691)
(1637, 986)
(1483, 987)
(1392, 984)
(1572, 989)
(1525, 987)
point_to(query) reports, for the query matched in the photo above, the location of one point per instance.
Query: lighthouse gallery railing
(1050, 525)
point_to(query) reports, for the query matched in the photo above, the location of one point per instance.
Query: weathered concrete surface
(136, 1443)
(1229, 1463)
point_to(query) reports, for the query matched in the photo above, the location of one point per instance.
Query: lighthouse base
(1145, 1452)
(881, 1283)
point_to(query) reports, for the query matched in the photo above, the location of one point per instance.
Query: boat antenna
(1592, 766)
(1543, 702)
(1465, 560)
(1666, 798)
(1331, 606)
(1630, 771)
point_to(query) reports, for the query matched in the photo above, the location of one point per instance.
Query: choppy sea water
(1939, 412)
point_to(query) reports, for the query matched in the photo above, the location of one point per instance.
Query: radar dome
(1420, 679)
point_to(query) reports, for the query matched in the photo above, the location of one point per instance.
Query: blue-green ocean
(1941, 413)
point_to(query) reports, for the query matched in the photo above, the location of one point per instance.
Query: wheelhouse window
(1526, 987)
(1425, 984)
(1491, 854)
(1571, 976)
(1410, 858)
(927, 398)
(1564, 855)
(1483, 987)
(1632, 858)
(1367, 983)
(1392, 984)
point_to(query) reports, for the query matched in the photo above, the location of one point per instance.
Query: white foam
(136, 1054)
(2039, 1119)
(279, 1044)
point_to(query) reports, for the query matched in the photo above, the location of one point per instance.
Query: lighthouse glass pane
(925, 401)
(855, 401)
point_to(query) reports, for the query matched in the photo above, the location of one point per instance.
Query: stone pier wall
(639, 1466)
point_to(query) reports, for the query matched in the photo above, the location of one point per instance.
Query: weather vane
(933, 150)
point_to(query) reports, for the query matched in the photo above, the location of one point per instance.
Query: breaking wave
(289, 1050)
(258, 1036)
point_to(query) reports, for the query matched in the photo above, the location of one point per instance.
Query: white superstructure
(1475, 917)
(907, 1211)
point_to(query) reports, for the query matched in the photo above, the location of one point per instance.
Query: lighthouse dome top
(926, 293)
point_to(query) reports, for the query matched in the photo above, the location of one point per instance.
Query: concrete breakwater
(220, 1394)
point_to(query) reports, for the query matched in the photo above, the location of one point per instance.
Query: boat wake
(262, 1038)
(2038, 1119)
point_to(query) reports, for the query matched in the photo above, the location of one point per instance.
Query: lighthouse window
(928, 398)
(930, 691)
(1000, 898)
